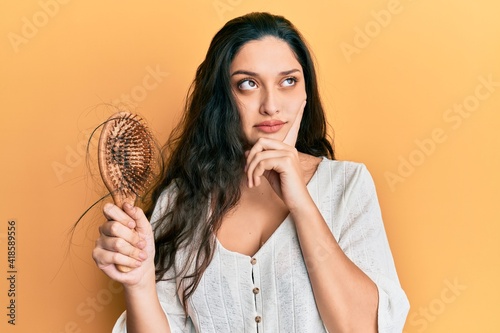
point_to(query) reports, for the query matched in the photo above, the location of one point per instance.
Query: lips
(270, 126)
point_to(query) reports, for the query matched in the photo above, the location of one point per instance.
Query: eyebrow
(242, 72)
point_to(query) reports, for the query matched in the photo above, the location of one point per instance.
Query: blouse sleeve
(172, 307)
(166, 289)
(363, 239)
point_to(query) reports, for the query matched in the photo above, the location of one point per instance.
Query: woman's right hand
(126, 239)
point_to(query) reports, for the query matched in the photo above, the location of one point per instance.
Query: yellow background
(392, 73)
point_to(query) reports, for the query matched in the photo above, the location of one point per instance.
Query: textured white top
(226, 299)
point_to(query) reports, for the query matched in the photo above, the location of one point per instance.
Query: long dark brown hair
(204, 155)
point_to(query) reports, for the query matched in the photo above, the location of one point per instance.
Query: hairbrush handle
(125, 153)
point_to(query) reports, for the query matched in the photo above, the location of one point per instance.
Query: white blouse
(271, 292)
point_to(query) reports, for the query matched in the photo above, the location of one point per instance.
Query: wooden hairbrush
(126, 156)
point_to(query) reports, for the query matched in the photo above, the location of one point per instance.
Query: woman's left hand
(278, 162)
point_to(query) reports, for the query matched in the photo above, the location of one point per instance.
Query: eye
(289, 81)
(247, 84)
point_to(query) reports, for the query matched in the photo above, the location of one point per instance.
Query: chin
(273, 136)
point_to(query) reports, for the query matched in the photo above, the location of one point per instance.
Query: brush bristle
(130, 153)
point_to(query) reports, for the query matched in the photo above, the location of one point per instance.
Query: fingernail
(143, 255)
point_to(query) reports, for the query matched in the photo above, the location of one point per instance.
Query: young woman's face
(268, 84)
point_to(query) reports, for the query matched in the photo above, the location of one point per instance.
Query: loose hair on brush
(129, 159)
(204, 155)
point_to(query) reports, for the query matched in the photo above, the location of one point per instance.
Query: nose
(269, 103)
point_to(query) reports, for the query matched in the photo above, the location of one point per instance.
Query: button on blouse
(271, 292)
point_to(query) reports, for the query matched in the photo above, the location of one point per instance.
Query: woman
(256, 227)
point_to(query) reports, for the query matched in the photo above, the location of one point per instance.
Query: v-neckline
(280, 226)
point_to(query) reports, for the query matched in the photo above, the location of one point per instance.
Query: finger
(268, 167)
(261, 168)
(293, 132)
(114, 213)
(262, 161)
(104, 258)
(264, 144)
(116, 229)
(142, 225)
(119, 245)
